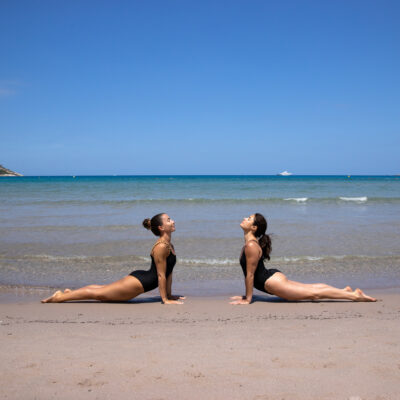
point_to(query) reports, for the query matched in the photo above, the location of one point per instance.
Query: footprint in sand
(32, 365)
(90, 383)
(329, 365)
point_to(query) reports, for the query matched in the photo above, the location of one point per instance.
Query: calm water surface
(65, 231)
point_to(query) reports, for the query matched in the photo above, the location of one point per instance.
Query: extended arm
(169, 286)
(169, 290)
(252, 252)
(160, 255)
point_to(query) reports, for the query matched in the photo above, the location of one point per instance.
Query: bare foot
(361, 296)
(348, 289)
(67, 290)
(53, 298)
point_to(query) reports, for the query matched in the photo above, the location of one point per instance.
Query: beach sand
(205, 349)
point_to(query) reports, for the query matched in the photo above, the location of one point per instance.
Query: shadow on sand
(275, 299)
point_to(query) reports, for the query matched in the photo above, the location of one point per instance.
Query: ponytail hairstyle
(153, 223)
(264, 240)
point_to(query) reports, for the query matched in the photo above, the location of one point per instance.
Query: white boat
(285, 173)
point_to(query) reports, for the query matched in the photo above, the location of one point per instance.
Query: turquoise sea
(72, 231)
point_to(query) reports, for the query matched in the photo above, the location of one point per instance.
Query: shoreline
(10, 175)
(269, 350)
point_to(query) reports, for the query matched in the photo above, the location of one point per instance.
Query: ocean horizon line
(205, 175)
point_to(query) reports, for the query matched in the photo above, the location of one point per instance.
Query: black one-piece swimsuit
(261, 273)
(149, 278)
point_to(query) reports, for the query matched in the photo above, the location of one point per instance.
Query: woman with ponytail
(257, 248)
(163, 260)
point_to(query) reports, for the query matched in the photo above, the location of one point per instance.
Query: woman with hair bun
(163, 260)
(257, 248)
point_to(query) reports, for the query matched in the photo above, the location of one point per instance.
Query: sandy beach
(203, 141)
(203, 349)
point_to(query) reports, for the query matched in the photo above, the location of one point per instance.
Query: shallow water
(65, 231)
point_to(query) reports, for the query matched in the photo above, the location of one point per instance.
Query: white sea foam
(209, 261)
(48, 257)
(362, 199)
(296, 259)
(297, 199)
(202, 261)
(235, 261)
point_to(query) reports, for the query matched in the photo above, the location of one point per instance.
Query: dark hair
(154, 223)
(264, 240)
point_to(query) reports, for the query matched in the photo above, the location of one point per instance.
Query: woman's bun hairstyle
(154, 223)
(147, 223)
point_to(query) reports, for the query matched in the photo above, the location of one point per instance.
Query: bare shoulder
(252, 248)
(161, 250)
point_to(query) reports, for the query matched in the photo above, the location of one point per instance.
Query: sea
(70, 231)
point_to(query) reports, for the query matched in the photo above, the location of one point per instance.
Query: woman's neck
(248, 236)
(166, 237)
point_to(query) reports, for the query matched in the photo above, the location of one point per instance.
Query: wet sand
(203, 349)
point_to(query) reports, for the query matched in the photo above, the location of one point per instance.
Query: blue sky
(200, 87)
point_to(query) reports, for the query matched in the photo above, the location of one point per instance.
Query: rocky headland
(8, 172)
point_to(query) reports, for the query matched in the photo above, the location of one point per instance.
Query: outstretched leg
(320, 286)
(280, 286)
(89, 286)
(122, 290)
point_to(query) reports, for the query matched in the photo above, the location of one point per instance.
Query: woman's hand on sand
(172, 302)
(173, 297)
(237, 297)
(240, 302)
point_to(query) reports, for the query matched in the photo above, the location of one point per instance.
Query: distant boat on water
(285, 173)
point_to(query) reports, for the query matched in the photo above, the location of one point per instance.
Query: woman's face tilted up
(248, 223)
(168, 225)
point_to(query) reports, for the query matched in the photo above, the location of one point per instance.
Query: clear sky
(200, 87)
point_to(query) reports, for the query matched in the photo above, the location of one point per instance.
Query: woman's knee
(96, 294)
(297, 295)
(314, 294)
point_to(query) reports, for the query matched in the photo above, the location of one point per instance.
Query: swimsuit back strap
(158, 242)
